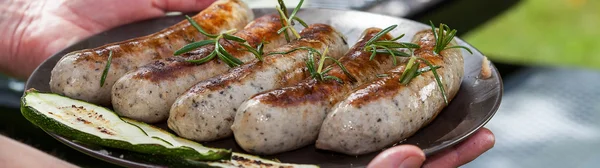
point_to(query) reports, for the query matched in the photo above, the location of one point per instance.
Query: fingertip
(399, 156)
(182, 5)
(488, 139)
(464, 152)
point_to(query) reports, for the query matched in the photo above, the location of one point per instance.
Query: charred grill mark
(159, 70)
(237, 158)
(292, 77)
(317, 31)
(224, 80)
(246, 161)
(264, 28)
(83, 120)
(104, 130)
(307, 91)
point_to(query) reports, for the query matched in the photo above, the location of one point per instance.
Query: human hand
(33, 30)
(409, 156)
(16, 154)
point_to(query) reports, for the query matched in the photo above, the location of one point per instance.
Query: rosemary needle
(192, 46)
(195, 25)
(443, 37)
(287, 21)
(437, 78)
(106, 68)
(321, 75)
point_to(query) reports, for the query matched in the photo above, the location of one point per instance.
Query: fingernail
(411, 162)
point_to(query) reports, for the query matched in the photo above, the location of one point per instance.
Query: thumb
(403, 156)
(182, 5)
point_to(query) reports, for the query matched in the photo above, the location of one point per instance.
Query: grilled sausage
(384, 112)
(290, 117)
(206, 111)
(77, 74)
(146, 94)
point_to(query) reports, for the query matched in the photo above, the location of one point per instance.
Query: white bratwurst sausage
(384, 112)
(77, 75)
(206, 111)
(288, 118)
(146, 94)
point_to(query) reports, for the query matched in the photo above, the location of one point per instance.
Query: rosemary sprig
(412, 70)
(321, 75)
(437, 78)
(192, 46)
(258, 52)
(443, 37)
(218, 51)
(427, 69)
(287, 21)
(195, 25)
(105, 72)
(318, 72)
(389, 47)
(309, 49)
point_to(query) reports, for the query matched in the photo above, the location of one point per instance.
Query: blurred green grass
(543, 32)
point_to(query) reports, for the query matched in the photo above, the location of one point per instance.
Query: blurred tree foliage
(543, 32)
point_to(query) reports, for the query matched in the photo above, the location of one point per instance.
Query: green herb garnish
(287, 21)
(105, 72)
(192, 46)
(412, 70)
(321, 75)
(389, 47)
(317, 72)
(258, 52)
(437, 78)
(443, 37)
(219, 51)
(309, 49)
(195, 25)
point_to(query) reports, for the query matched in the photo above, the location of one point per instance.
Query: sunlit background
(548, 52)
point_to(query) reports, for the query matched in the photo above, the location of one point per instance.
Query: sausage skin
(288, 118)
(385, 112)
(146, 94)
(77, 75)
(206, 111)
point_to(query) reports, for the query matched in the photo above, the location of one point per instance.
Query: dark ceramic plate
(473, 106)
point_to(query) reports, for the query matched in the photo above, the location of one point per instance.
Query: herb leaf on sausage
(389, 47)
(219, 51)
(105, 72)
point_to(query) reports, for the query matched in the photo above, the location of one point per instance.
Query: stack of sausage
(269, 106)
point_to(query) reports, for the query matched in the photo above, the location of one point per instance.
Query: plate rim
(438, 148)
